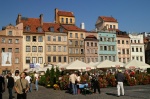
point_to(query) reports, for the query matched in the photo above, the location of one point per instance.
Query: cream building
(33, 41)
(137, 47)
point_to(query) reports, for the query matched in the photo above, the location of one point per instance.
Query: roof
(90, 38)
(46, 27)
(108, 19)
(72, 28)
(33, 23)
(65, 13)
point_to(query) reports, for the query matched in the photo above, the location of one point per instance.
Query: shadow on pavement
(112, 94)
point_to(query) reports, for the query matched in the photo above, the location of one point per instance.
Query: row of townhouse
(35, 41)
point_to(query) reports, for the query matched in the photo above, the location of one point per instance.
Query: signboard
(6, 58)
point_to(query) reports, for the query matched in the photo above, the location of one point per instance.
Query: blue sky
(132, 15)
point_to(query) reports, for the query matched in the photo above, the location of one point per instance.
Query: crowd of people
(20, 83)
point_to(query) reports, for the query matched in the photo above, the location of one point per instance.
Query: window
(10, 41)
(34, 49)
(111, 26)
(87, 43)
(67, 20)
(39, 29)
(91, 43)
(3, 49)
(9, 49)
(132, 57)
(114, 27)
(127, 42)
(127, 51)
(54, 58)
(62, 20)
(27, 48)
(114, 58)
(3, 40)
(110, 58)
(101, 48)
(59, 48)
(131, 41)
(101, 58)
(88, 51)
(27, 59)
(40, 60)
(82, 59)
(10, 33)
(54, 48)
(113, 39)
(81, 35)
(16, 50)
(51, 29)
(124, 60)
(59, 59)
(49, 58)
(40, 48)
(40, 39)
(128, 60)
(76, 43)
(137, 58)
(122, 41)
(70, 42)
(82, 51)
(70, 50)
(27, 28)
(105, 48)
(141, 58)
(54, 38)
(81, 43)
(95, 44)
(119, 51)
(70, 35)
(17, 41)
(109, 48)
(76, 51)
(48, 38)
(136, 49)
(34, 60)
(138, 41)
(70, 20)
(140, 49)
(118, 41)
(48, 48)
(76, 35)
(95, 51)
(65, 60)
(34, 38)
(60, 29)
(132, 49)
(65, 38)
(105, 57)
(27, 38)
(92, 59)
(123, 51)
(119, 59)
(101, 39)
(134, 41)
(96, 59)
(65, 49)
(16, 60)
(59, 38)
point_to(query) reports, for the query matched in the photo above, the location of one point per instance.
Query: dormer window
(70, 20)
(51, 29)
(39, 29)
(60, 29)
(27, 28)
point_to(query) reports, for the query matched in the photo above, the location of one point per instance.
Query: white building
(137, 47)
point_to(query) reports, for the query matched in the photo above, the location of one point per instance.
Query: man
(2, 86)
(36, 77)
(73, 79)
(96, 84)
(10, 85)
(29, 81)
(22, 87)
(120, 79)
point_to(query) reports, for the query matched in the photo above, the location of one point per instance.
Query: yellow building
(33, 40)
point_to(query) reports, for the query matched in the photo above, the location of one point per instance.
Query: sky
(132, 15)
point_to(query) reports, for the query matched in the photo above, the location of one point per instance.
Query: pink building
(91, 47)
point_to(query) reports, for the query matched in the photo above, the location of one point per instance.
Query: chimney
(56, 16)
(82, 26)
(18, 20)
(41, 19)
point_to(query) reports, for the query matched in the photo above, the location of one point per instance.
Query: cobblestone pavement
(131, 92)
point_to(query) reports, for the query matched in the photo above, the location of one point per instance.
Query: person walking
(73, 79)
(36, 76)
(120, 79)
(2, 86)
(10, 85)
(29, 81)
(96, 84)
(21, 87)
(16, 76)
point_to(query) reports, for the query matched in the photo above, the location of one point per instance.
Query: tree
(57, 73)
(52, 76)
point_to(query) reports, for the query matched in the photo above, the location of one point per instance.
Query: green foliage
(148, 70)
(57, 74)
(52, 76)
(47, 73)
(42, 80)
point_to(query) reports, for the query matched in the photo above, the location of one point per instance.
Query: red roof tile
(72, 28)
(65, 13)
(108, 19)
(33, 23)
(46, 26)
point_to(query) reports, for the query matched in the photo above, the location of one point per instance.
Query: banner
(6, 58)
